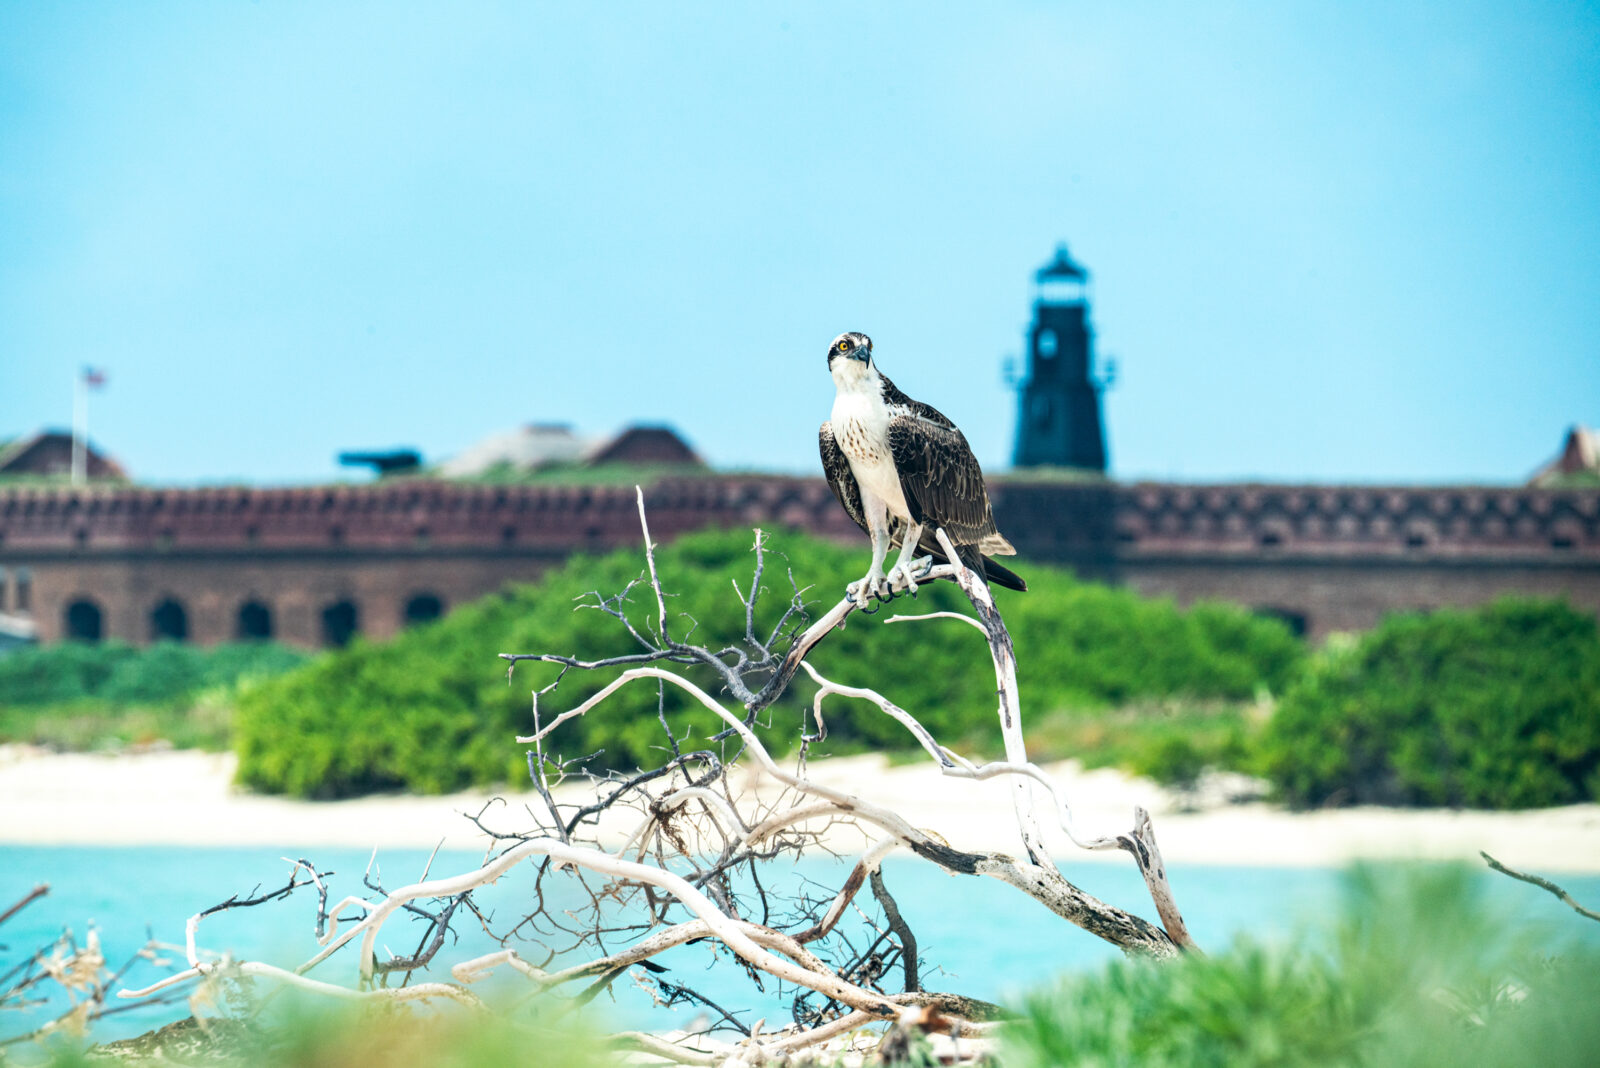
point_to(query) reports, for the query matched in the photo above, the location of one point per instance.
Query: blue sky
(1328, 241)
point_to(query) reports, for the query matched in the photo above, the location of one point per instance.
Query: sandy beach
(188, 798)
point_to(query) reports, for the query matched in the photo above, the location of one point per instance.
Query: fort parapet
(313, 566)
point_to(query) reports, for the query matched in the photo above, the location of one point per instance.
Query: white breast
(861, 427)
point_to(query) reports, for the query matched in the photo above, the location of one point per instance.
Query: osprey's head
(850, 348)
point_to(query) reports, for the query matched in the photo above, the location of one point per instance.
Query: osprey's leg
(873, 583)
(906, 565)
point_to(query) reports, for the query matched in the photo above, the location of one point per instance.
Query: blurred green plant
(1495, 707)
(74, 695)
(319, 1036)
(1415, 971)
(1171, 741)
(431, 712)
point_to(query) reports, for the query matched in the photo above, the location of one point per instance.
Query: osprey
(902, 471)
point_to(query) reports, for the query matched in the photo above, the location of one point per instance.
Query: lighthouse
(1058, 418)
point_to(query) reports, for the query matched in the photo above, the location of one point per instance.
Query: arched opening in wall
(340, 622)
(1297, 622)
(169, 622)
(422, 608)
(83, 621)
(24, 598)
(255, 622)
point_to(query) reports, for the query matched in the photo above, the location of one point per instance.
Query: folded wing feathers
(942, 480)
(836, 466)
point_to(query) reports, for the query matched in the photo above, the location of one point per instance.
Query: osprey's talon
(903, 573)
(872, 586)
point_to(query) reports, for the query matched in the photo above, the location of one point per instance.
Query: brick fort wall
(322, 562)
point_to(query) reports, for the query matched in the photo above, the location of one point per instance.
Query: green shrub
(241, 662)
(299, 1032)
(1171, 741)
(1415, 972)
(166, 671)
(80, 696)
(1497, 707)
(68, 671)
(431, 710)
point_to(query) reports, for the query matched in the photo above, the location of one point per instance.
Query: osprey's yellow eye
(844, 346)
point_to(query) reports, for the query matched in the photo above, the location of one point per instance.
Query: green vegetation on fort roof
(1571, 480)
(432, 711)
(619, 474)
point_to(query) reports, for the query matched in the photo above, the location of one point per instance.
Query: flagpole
(80, 430)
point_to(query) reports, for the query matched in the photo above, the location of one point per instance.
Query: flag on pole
(94, 377)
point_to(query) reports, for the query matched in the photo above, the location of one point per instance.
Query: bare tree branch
(681, 853)
(27, 899)
(1543, 884)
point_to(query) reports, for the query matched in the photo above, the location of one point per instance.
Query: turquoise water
(988, 940)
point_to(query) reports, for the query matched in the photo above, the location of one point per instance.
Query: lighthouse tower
(1058, 421)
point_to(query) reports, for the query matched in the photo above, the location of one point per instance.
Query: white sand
(187, 798)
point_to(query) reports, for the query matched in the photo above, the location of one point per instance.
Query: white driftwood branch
(1043, 882)
(938, 615)
(686, 812)
(1140, 842)
(953, 764)
(673, 1051)
(650, 557)
(1141, 845)
(1005, 669)
(417, 992)
(732, 933)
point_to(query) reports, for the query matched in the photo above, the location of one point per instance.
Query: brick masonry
(1327, 557)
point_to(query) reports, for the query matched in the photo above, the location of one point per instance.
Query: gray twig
(1543, 884)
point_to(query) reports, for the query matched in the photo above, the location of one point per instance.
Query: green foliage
(1497, 707)
(78, 696)
(1169, 741)
(69, 671)
(312, 1035)
(420, 1038)
(1415, 972)
(430, 711)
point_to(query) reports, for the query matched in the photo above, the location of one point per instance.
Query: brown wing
(836, 466)
(941, 479)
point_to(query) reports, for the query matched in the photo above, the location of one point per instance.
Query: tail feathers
(993, 572)
(1003, 576)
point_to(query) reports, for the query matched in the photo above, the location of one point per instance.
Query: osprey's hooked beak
(862, 353)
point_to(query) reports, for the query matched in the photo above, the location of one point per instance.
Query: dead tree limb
(649, 862)
(27, 899)
(1543, 884)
